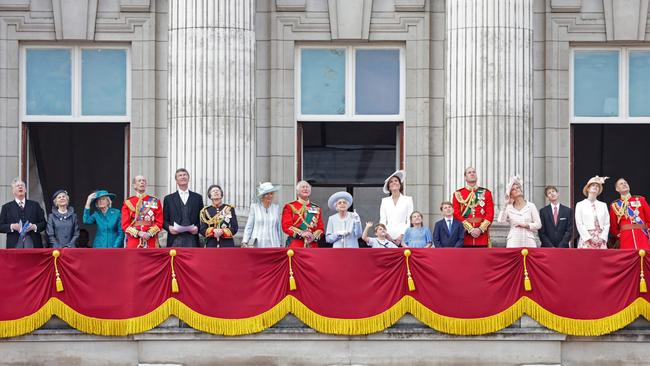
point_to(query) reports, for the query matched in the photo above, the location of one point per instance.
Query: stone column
(211, 95)
(489, 93)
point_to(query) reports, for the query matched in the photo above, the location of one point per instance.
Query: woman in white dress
(592, 216)
(263, 225)
(522, 216)
(395, 210)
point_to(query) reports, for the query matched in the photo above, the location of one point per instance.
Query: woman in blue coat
(108, 220)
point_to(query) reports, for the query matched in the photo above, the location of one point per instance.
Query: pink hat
(598, 180)
(515, 179)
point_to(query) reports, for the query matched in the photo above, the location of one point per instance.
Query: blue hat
(58, 193)
(331, 202)
(266, 187)
(101, 193)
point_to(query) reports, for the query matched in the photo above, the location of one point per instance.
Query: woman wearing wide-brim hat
(396, 209)
(592, 216)
(108, 220)
(263, 228)
(344, 227)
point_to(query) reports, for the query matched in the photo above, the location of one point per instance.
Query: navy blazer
(172, 213)
(12, 214)
(443, 239)
(556, 236)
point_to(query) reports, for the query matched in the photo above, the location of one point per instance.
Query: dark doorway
(349, 156)
(80, 158)
(613, 150)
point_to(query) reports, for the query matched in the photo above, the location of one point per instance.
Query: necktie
(555, 215)
(21, 204)
(449, 226)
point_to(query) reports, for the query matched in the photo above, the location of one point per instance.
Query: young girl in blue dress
(418, 235)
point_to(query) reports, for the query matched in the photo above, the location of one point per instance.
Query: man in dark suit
(182, 207)
(557, 222)
(448, 232)
(21, 219)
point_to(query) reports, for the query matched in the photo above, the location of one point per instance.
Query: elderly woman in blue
(343, 228)
(108, 220)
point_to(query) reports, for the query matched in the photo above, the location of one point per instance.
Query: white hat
(266, 187)
(400, 174)
(331, 202)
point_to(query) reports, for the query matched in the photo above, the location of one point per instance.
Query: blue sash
(630, 212)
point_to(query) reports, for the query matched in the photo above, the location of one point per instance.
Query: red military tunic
(473, 206)
(628, 222)
(142, 214)
(299, 216)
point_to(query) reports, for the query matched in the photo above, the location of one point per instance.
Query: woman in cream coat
(263, 225)
(592, 216)
(396, 209)
(522, 216)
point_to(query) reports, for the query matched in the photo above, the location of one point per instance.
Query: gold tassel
(411, 284)
(409, 278)
(527, 285)
(175, 290)
(643, 287)
(292, 280)
(59, 283)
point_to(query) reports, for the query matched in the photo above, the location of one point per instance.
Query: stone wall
(291, 343)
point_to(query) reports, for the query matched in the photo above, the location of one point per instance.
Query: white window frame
(623, 87)
(350, 79)
(76, 116)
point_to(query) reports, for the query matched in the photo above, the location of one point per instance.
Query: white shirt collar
(553, 206)
(180, 191)
(19, 201)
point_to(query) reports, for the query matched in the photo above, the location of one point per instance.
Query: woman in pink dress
(522, 216)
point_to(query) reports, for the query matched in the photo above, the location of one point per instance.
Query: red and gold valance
(339, 291)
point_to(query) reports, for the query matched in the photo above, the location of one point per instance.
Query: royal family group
(466, 219)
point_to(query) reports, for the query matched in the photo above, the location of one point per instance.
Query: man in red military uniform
(628, 217)
(142, 217)
(473, 206)
(302, 220)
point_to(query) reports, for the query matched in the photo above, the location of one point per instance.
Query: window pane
(322, 81)
(349, 153)
(48, 82)
(596, 84)
(377, 82)
(103, 82)
(639, 95)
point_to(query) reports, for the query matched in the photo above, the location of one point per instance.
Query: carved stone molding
(566, 6)
(134, 5)
(625, 20)
(409, 5)
(14, 5)
(74, 20)
(290, 5)
(350, 19)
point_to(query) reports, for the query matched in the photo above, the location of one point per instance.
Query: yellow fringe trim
(323, 324)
